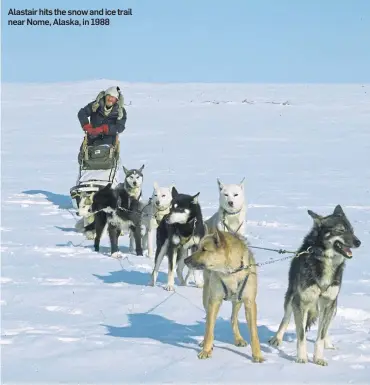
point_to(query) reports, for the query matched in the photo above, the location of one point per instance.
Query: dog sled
(98, 166)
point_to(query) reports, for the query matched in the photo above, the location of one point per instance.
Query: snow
(73, 316)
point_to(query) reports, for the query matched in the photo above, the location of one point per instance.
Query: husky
(153, 213)
(85, 225)
(133, 182)
(180, 230)
(232, 209)
(315, 279)
(118, 211)
(230, 274)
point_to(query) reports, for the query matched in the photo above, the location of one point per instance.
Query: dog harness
(229, 296)
(158, 216)
(227, 227)
(183, 239)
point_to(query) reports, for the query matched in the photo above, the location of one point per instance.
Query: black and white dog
(180, 230)
(133, 184)
(315, 279)
(120, 212)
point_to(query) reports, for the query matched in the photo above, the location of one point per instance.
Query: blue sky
(259, 41)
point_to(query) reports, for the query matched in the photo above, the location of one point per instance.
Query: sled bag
(101, 157)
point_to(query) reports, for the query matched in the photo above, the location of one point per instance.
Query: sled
(97, 167)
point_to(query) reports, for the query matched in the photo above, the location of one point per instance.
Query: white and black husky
(133, 182)
(133, 185)
(180, 230)
(315, 279)
(118, 211)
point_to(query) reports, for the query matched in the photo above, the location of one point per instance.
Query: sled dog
(153, 213)
(180, 230)
(315, 279)
(232, 209)
(230, 274)
(133, 181)
(133, 184)
(119, 212)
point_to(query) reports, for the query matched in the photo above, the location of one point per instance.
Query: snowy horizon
(299, 147)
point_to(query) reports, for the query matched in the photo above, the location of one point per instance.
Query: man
(107, 117)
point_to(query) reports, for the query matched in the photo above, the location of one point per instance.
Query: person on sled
(102, 120)
(107, 117)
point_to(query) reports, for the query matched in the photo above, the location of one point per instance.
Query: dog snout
(157, 203)
(357, 242)
(231, 203)
(134, 183)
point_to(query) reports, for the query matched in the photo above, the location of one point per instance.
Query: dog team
(216, 253)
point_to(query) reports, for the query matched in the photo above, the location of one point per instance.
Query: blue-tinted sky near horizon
(264, 41)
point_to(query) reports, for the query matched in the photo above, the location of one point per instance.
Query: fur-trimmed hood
(100, 101)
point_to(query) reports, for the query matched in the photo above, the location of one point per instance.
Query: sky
(249, 41)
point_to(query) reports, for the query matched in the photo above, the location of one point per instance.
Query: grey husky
(133, 185)
(315, 279)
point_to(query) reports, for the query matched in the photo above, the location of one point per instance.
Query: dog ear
(220, 185)
(242, 183)
(195, 198)
(174, 192)
(216, 237)
(338, 211)
(125, 170)
(107, 187)
(316, 217)
(142, 168)
(155, 185)
(219, 238)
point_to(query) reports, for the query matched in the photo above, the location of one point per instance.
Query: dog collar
(227, 212)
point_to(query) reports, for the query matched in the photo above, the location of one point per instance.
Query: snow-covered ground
(70, 315)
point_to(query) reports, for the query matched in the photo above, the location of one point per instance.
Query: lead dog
(315, 279)
(230, 274)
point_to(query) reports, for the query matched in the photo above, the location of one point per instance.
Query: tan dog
(229, 275)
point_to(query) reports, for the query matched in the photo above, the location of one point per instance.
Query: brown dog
(229, 275)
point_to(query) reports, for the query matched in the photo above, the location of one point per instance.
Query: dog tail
(312, 317)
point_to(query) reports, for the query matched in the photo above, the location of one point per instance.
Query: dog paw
(90, 235)
(240, 342)
(330, 346)
(199, 285)
(274, 341)
(169, 287)
(301, 360)
(320, 362)
(117, 255)
(258, 359)
(139, 252)
(203, 354)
